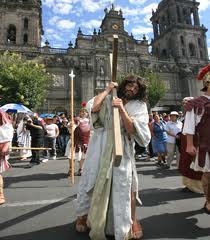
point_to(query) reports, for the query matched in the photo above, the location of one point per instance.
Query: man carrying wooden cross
(107, 194)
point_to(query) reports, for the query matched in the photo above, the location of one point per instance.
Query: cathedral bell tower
(177, 31)
(113, 21)
(20, 23)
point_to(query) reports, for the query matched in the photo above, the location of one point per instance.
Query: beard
(129, 95)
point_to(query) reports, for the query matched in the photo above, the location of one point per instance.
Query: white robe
(99, 175)
(24, 139)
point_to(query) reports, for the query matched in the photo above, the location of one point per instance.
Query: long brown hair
(142, 93)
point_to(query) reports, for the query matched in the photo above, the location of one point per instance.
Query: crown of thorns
(203, 72)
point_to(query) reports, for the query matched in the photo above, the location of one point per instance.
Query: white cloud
(137, 2)
(62, 8)
(141, 30)
(53, 20)
(91, 24)
(148, 9)
(66, 24)
(48, 3)
(42, 43)
(209, 52)
(127, 22)
(55, 37)
(61, 23)
(50, 31)
(204, 4)
(129, 12)
(90, 5)
(147, 19)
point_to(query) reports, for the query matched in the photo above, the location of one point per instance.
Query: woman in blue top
(159, 138)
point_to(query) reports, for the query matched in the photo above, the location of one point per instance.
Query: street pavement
(40, 204)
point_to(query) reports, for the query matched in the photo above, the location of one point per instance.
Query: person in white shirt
(50, 139)
(173, 127)
(197, 130)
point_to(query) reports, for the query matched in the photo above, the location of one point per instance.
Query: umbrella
(15, 107)
(44, 115)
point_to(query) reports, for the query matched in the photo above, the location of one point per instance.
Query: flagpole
(71, 161)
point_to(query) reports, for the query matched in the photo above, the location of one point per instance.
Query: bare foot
(81, 224)
(137, 231)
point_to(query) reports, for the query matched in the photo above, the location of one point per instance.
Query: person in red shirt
(81, 137)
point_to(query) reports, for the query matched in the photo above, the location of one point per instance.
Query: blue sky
(62, 18)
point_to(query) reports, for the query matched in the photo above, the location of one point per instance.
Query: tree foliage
(21, 80)
(156, 87)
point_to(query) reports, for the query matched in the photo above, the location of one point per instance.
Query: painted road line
(41, 202)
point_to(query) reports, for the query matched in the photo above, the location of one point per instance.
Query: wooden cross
(118, 150)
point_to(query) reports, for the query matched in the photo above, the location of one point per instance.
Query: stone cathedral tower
(20, 23)
(177, 31)
(180, 38)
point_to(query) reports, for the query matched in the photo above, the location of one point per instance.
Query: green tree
(21, 80)
(156, 87)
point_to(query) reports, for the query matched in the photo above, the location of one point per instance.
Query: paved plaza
(41, 204)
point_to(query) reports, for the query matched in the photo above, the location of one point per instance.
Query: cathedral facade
(178, 50)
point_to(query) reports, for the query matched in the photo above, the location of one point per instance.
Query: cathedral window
(187, 16)
(192, 50)
(101, 71)
(132, 68)
(163, 21)
(192, 18)
(26, 23)
(183, 52)
(201, 54)
(182, 40)
(178, 14)
(164, 54)
(101, 83)
(199, 42)
(11, 34)
(25, 38)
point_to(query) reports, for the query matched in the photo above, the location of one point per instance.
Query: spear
(71, 161)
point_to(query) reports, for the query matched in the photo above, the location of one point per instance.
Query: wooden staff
(29, 148)
(71, 161)
(118, 151)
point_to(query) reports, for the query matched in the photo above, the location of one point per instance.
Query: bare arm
(35, 126)
(101, 96)
(57, 131)
(190, 145)
(127, 121)
(151, 130)
(170, 134)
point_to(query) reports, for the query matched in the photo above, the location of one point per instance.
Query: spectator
(24, 138)
(36, 129)
(166, 118)
(6, 135)
(82, 135)
(52, 132)
(159, 138)
(64, 134)
(173, 127)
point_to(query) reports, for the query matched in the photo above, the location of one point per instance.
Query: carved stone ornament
(58, 81)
